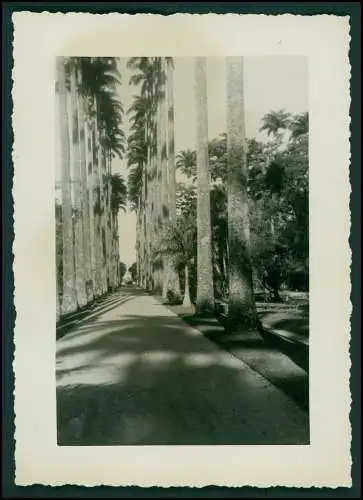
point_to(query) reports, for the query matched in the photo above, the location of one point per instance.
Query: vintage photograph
(182, 250)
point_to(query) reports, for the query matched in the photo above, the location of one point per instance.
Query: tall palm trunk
(78, 197)
(117, 249)
(174, 283)
(102, 210)
(91, 202)
(158, 275)
(145, 224)
(69, 298)
(139, 243)
(97, 212)
(165, 208)
(241, 308)
(109, 224)
(205, 292)
(106, 237)
(186, 301)
(150, 174)
(58, 307)
(85, 201)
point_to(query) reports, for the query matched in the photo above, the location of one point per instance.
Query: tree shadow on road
(150, 380)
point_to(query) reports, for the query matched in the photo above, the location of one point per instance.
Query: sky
(271, 83)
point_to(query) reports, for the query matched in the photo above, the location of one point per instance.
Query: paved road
(138, 375)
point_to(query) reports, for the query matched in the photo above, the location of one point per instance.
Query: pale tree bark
(106, 238)
(205, 292)
(144, 255)
(69, 298)
(150, 180)
(78, 197)
(241, 307)
(91, 202)
(174, 283)
(58, 307)
(186, 301)
(85, 201)
(139, 243)
(117, 250)
(165, 208)
(158, 274)
(97, 212)
(141, 214)
(109, 235)
(102, 213)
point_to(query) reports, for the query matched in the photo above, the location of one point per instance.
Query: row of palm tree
(152, 187)
(151, 159)
(90, 136)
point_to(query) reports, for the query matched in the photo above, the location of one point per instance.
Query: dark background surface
(9, 490)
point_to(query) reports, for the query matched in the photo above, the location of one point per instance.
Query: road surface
(138, 375)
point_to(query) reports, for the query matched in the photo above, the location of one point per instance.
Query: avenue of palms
(209, 245)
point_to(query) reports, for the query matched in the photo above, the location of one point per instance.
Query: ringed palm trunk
(99, 210)
(139, 243)
(149, 222)
(117, 250)
(69, 298)
(102, 214)
(154, 207)
(58, 308)
(91, 202)
(104, 193)
(158, 273)
(78, 198)
(165, 207)
(145, 225)
(142, 248)
(109, 224)
(173, 277)
(85, 202)
(205, 292)
(241, 308)
(97, 213)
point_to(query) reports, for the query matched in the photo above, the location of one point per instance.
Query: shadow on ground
(141, 380)
(284, 363)
(92, 311)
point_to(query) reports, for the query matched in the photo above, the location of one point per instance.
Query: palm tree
(160, 184)
(139, 181)
(78, 191)
(83, 149)
(111, 111)
(274, 121)
(186, 162)
(178, 242)
(299, 125)
(205, 293)
(100, 79)
(241, 307)
(69, 299)
(171, 166)
(146, 119)
(118, 202)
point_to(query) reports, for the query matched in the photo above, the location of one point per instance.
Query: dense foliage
(278, 199)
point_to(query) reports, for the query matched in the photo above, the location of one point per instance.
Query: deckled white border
(38, 38)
